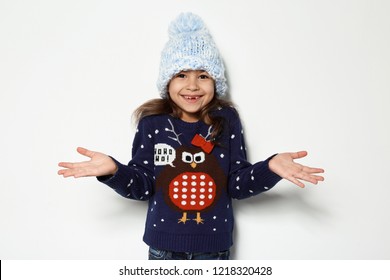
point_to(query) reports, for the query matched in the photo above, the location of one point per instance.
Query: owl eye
(187, 157)
(199, 157)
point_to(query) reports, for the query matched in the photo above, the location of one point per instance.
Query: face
(191, 91)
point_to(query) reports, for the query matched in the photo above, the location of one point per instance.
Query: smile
(188, 97)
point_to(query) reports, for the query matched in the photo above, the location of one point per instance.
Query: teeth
(191, 97)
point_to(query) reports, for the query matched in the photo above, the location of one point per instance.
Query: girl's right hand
(99, 165)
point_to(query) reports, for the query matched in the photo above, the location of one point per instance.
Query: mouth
(191, 98)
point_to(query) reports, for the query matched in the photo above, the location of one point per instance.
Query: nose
(193, 164)
(192, 83)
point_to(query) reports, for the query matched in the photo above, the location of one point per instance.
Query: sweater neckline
(184, 124)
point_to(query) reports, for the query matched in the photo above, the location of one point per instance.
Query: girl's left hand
(283, 164)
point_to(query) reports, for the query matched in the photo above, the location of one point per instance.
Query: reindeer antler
(176, 138)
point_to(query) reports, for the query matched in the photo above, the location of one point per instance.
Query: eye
(181, 75)
(186, 157)
(204, 76)
(199, 157)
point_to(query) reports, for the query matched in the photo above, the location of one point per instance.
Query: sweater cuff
(121, 176)
(270, 177)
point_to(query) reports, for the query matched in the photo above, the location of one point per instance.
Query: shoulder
(229, 113)
(153, 121)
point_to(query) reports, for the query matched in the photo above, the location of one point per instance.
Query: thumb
(85, 152)
(299, 154)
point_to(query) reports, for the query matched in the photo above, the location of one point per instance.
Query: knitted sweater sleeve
(136, 179)
(246, 179)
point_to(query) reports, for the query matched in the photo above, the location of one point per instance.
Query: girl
(188, 155)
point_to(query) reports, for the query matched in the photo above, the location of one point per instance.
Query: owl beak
(193, 164)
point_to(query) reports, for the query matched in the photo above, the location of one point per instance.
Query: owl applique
(193, 182)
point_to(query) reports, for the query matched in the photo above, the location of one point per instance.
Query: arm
(134, 180)
(245, 179)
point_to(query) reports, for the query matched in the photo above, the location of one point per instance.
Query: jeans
(156, 254)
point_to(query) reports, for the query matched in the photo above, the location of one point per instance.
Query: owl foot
(198, 219)
(183, 219)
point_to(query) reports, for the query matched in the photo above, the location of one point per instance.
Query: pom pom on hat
(190, 47)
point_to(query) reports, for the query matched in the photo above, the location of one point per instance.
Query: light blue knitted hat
(190, 47)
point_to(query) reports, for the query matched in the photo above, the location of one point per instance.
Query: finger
(74, 165)
(318, 178)
(295, 181)
(299, 154)
(85, 152)
(312, 170)
(75, 172)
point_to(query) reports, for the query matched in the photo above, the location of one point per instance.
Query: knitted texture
(190, 47)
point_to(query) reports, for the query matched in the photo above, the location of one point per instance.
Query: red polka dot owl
(194, 181)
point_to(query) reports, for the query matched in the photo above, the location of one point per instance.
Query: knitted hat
(190, 47)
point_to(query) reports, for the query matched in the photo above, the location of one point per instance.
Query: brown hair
(161, 106)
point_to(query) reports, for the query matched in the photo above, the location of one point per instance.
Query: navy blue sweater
(188, 182)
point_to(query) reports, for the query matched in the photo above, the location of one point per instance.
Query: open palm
(98, 165)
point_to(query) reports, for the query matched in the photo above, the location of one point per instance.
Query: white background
(311, 75)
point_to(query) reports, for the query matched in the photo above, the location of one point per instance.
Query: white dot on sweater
(238, 187)
(156, 131)
(238, 178)
(214, 229)
(214, 217)
(150, 136)
(222, 155)
(142, 146)
(147, 192)
(162, 220)
(233, 136)
(146, 162)
(252, 178)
